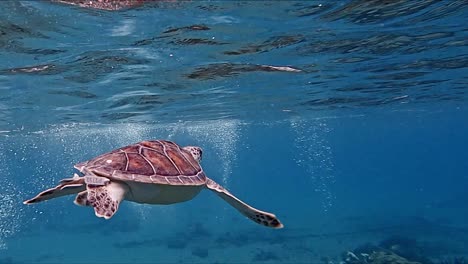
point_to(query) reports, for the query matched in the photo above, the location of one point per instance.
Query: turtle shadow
(200, 252)
(179, 240)
(251, 236)
(265, 255)
(7, 260)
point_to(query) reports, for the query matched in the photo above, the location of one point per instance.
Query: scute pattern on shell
(158, 161)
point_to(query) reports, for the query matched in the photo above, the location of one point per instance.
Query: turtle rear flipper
(82, 199)
(259, 217)
(69, 186)
(105, 199)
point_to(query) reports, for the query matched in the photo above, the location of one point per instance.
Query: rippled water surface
(204, 60)
(347, 119)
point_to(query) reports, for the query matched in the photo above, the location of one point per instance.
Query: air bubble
(223, 136)
(317, 158)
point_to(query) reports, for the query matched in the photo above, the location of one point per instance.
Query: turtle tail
(66, 187)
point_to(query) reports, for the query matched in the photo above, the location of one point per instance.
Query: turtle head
(195, 151)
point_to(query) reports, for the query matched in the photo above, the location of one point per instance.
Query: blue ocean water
(346, 119)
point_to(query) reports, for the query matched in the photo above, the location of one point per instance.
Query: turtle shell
(158, 162)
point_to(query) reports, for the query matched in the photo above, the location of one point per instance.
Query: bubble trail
(315, 156)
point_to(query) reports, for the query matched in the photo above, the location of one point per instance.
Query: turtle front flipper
(104, 198)
(66, 187)
(260, 217)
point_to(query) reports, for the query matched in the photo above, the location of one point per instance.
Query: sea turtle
(152, 172)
